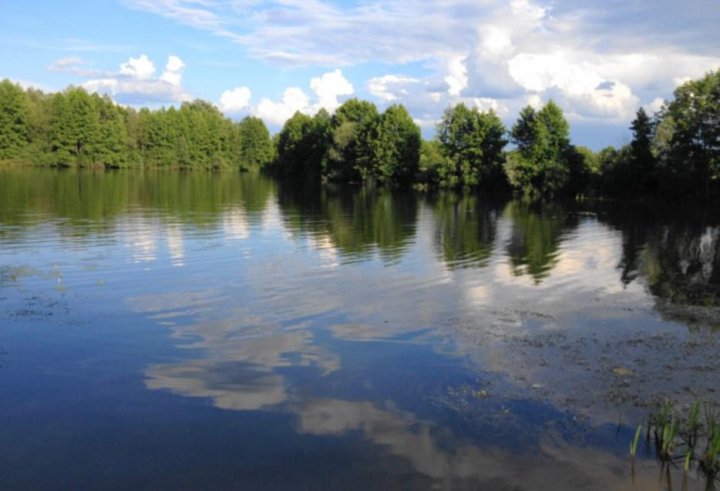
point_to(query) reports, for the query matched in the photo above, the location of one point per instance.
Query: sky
(600, 60)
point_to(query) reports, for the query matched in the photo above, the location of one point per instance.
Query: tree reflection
(466, 228)
(676, 253)
(89, 202)
(537, 231)
(358, 221)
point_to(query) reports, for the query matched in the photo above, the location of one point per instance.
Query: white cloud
(75, 65)
(329, 87)
(468, 50)
(456, 78)
(65, 63)
(293, 99)
(173, 71)
(389, 88)
(577, 83)
(140, 68)
(488, 104)
(655, 106)
(236, 100)
(136, 84)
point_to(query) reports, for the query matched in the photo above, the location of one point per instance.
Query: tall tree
(541, 163)
(350, 154)
(14, 120)
(693, 152)
(395, 145)
(642, 160)
(473, 142)
(256, 149)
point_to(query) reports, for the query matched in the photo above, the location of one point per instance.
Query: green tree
(111, 148)
(395, 146)
(75, 128)
(350, 156)
(294, 146)
(14, 120)
(541, 163)
(473, 143)
(693, 154)
(256, 148)
(642, 159)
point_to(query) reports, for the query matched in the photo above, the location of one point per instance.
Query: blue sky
(599, 59)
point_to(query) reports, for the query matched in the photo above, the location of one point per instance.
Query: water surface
(223, 331)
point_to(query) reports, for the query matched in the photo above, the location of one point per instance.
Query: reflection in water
(466, 229)
(434, 341)
(357, 222)
(677, 255)
(536, 235)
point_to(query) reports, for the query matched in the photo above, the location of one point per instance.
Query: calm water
(200, 331)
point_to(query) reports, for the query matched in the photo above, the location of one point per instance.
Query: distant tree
(473, 143)
(294, 146)
(395, 141)
(693, 152)
(14, 120)
(111, 148)
(541, 163)
(256, 149)
(432, 161)
(75, 128)
(643, 163)
(350, 153)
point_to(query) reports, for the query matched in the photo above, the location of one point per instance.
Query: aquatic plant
(667, 439)
(709, 460)
(634, 444)
(672, 432)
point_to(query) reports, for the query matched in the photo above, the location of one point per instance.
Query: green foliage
(350, 154)
(541, 165)
(693, 151)
(432, 162)
(473, 142)
(395, 146)
(294, 147)
(255, 145)
(77, 129)
(14, 120)
(355, 144)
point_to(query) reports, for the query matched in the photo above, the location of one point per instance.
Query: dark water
(200, 331)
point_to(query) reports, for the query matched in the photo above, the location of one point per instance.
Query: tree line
(674, 152)
(76, 129)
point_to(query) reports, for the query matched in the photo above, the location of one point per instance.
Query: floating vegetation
(684, 437)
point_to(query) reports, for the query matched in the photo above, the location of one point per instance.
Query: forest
(675, 152)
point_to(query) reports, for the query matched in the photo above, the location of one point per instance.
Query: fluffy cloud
(329, 87)
(173, 71)
(136, 83)
(500, 50)
(389, 88)
(140, 68)
(235, 101)
(293, 99)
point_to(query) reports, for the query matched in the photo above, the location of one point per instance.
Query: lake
(226, 331)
